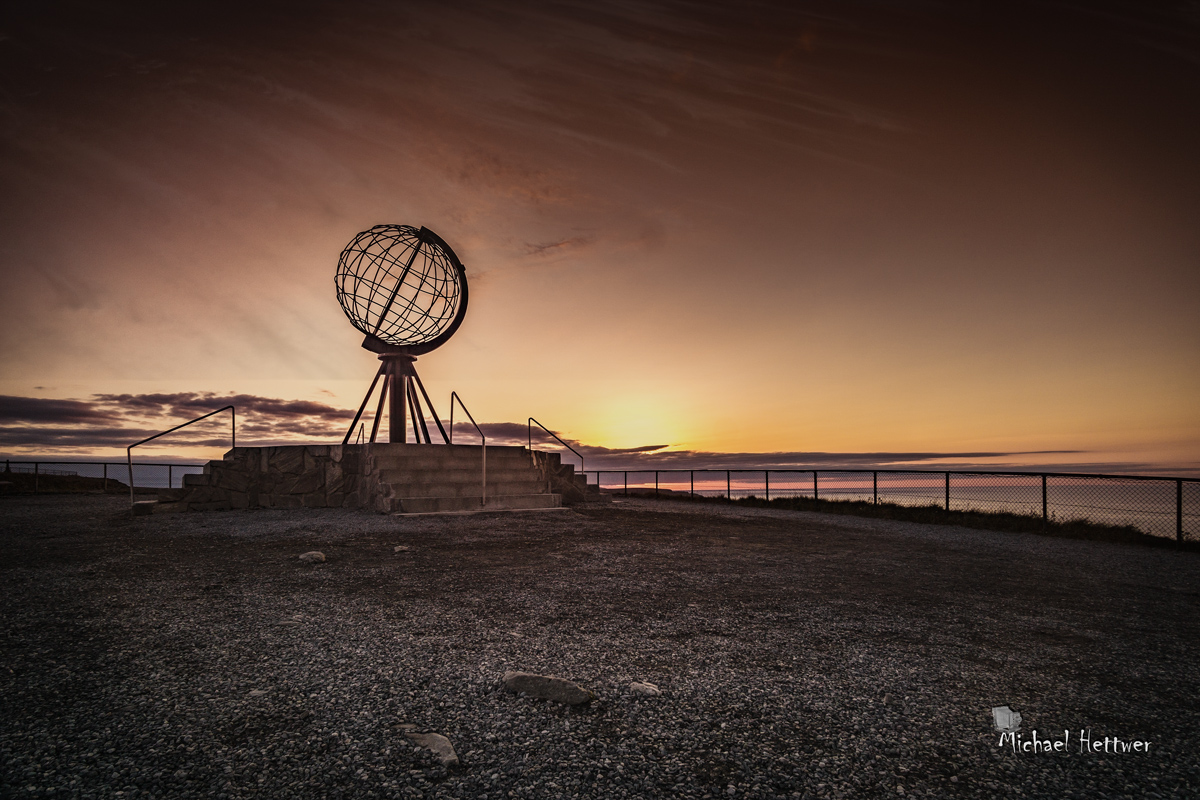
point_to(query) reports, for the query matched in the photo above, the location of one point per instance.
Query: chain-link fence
(48, 476)
(1168, 507)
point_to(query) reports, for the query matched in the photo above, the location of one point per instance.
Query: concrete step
(445, 451)
(429, 460)
(446, 475)
(470, 489)
(171, 495)
(430, 505)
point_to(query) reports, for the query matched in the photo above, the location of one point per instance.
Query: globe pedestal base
(400, 384)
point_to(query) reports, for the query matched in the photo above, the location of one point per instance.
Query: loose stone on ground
(547, 687)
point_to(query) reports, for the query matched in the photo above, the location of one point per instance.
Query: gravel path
(799, 655)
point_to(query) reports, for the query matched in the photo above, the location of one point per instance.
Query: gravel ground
(799, 655)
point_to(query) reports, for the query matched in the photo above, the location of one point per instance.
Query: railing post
(1045, 504)
(169, 481)
(814, 484)
(656, 483)
(767, 484)
(947, 490)
(875, 486)
(105, 465)
(1179, 512)
(691, 483)
(728, 491)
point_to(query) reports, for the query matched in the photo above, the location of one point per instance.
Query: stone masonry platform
(388, 478)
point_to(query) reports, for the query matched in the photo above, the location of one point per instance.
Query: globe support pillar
(403, 387)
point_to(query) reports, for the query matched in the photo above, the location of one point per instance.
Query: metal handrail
(454, 396)
(529, 439)
(129, 450)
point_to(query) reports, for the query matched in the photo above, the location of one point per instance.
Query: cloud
(36, 409)
(556, 248)
(117, 420)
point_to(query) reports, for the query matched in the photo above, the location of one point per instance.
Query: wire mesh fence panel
(845, 486)
(709, 483)
(1007, 494)
(641, 482)
(1190, 494)
(912, 488)
(43, 468)
(73, 475)
(747, 483)
(1148, 506)
(791, 483)
(674, 483)
(610, 482)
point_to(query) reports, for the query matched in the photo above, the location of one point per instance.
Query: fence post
(814, 484)
(1179, 513)
(169, 476)
(1045, 504)
(767, 484)
(105, 476)
(947, 490)
(728, 491)
(875, 486)
(692, 483)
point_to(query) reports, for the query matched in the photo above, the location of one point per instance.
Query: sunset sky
(884, 232)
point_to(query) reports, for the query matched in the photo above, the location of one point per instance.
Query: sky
(907, 233)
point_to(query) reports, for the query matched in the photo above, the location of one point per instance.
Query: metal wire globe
(403, 286)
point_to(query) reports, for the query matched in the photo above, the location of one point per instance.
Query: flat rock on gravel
(547, 687)
(437, 744)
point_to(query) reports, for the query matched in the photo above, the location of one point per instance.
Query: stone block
(286, 501)
(335, 500)
(314, 500)
(200, 494)
(230, 477)
(239, 500)
(288, 460)
(306, 484)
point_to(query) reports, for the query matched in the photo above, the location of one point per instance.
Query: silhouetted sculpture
(407, 291)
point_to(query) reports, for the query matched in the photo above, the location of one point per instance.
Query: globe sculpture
(407, 291)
